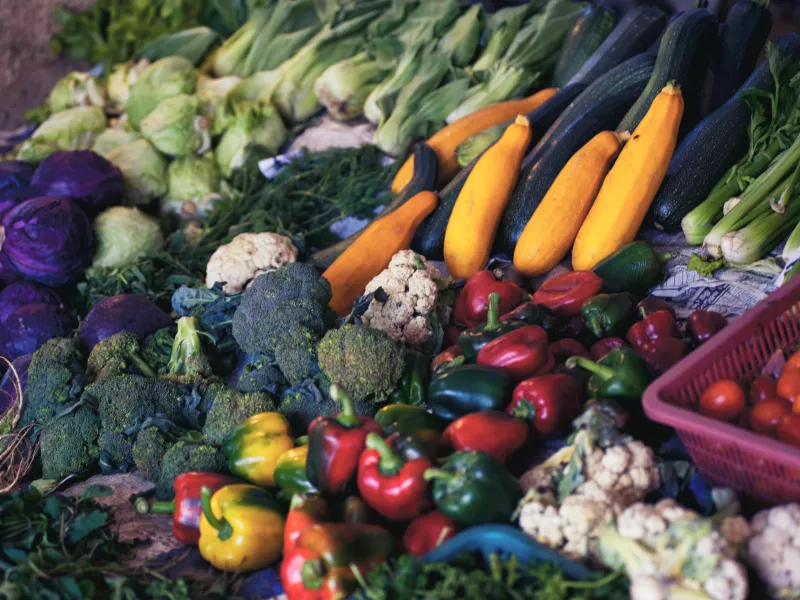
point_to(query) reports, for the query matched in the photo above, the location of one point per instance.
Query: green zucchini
(598, 108)
(634, 34)
(712, 148)
(683, 56)
(424, 179)
(634, 268)
(591, 29)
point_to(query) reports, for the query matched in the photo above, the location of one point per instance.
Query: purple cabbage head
(81, 175)
(11, 385)
(46, 239)
(15, 176)
(115, 314)
(31, 314)
(21, 293)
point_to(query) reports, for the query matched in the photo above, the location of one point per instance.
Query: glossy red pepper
(335, 445)
(445, 357)
(187, 506)
(393, 484)
(565, 294)
(548, 403)
(473, 301)
(702, 325)
(565, 348)
(652, 304)
(428, 531)
(602, 347)
(305, 510)
(495, 433)
(657, 340)
(520, 353)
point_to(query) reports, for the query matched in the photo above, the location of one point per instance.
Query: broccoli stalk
(117, 355)
(187, 355)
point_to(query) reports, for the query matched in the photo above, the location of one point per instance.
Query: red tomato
(793, 362)
(789, 430)
(789, 384)
(767, 414)
(723, 400)
(762, 388)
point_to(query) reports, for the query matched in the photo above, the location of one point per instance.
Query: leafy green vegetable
(705, 267)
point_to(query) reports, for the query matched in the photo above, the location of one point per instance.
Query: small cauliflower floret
(540, 480)
(410, 284)
(729, 580)
(628, 471)
(581, 516)
(246, 257)
(774, 549)
(540, 520)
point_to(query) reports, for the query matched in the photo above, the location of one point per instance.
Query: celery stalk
(504, 83)
(461, 41)
(229, 58)
(344, 86)
(792, 244)
(381, 102)
(502, 28)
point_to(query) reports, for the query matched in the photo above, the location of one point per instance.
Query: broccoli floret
(187, 357)
(279, 301)
(69, 443)
(366, 362)
(304, 402)
(186, 456)
(116, 450)
(296, 354)
(258, 374)
(148, 452)
(117, 355)
(127, 401)
(157, 348)
(229, 408)
(55, 378)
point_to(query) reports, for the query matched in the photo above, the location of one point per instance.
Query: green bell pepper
(621, 374)
(412, 385)
(472, 340)
(609, 315)
(290, 471)
(411, 420)
(464, 389)
(473, 488)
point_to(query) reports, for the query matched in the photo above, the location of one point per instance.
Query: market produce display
(427, 403)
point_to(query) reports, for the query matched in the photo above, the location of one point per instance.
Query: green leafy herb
(704, 267)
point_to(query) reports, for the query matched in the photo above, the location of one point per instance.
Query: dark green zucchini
(634, 34)
(683, 56)
(429, 240)
(598, 108)
(594, 25)
(424, 179)
(747, 28)
(711, 149)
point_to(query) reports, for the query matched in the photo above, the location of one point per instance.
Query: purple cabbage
(83, 176)
(8, 385)
(46, 239)
(23, 293)
(115, 314)
(15, 176)
(31, 314)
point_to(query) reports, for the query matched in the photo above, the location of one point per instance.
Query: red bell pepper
(657, 340)
(492, 432)
(305, 510)
(187, 506)
(335, 445)
(602, 347)
(520, 353)
(428, 531)
(445, 357)
(473, 301)
(702, 325)
(565, 348)
(565, 294)
(393, 484)
(652, 304)
(549, 403)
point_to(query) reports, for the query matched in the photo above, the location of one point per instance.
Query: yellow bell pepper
(254, 446)
(241, 528)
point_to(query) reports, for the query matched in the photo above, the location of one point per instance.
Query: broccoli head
(303, 403)
(229, 408)
(278, 301)
(126, 402)
(296, 354)
(148, 452)
(117, 355)
(55, 378)
(364, 361)
(257, 374)
(187, 456)
(156, 349)
(116, 450)
(69, 443)
(187, 357)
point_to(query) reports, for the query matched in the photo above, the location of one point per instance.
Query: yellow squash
(445, 141)
(631, 185)
(473, 223)
(548, 236)
(371, 252)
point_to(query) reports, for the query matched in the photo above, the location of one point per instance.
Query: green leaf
(704, 267)
(17, 556)
(54, 506)
(85, 524)
(70, 588)
(96, 491)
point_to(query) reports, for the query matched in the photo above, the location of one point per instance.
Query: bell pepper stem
(664, 257)
(524, 410)
(144, 507)
(301, 441)
(389, 463)
(493, 316)
(437, 474)
(643, 312)
(312, 573)
(601, 371)
(347, 417)
(595, 326)
(222, 526)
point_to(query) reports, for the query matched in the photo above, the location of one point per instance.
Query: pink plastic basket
(759, 468)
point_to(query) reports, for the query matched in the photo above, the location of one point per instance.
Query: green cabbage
(112, 138)
(71, 129)
(123, 234)
(257, 133)
(175, 128)
(76, 89)
(163, 79)
(145, 170)
(193, 186)
(121, 79)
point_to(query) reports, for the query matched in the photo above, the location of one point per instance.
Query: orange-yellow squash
(445, 141)
(371, 252)
(632, 183)
(473, 223)
(548, 236)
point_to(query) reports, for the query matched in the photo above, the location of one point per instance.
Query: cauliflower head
(246, 257)
(626, 471)
(410, 285)
(774, 549)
